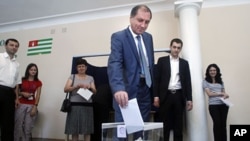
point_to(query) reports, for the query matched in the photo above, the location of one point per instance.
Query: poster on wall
(40, 46)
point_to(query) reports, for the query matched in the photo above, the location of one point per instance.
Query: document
(85, 93)
(227, 102)
(132, 117)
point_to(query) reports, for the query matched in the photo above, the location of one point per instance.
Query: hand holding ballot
(133, 123)
(226, 101)
(85, 93)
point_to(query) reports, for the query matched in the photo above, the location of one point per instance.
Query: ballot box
(152, 131)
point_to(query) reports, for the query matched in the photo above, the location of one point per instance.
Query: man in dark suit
(173, 91)
(126, 77)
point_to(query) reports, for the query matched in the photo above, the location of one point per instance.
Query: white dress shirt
(9, 71)
(174, 82)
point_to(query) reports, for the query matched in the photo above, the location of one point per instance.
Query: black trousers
(172, 111)
(101, 115)
(7, 111)
(219, 117)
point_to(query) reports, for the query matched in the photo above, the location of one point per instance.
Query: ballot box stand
(152, 131)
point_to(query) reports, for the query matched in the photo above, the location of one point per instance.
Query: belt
(174, 91)
(81, 104)
(6, 87)
(142, 76)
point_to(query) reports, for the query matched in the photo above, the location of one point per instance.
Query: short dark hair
(137, 7)
(11, 39)
(176, 40)
(81, 61)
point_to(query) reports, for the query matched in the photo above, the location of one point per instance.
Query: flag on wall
(41, 46)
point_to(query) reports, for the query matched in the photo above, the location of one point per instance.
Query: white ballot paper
(85, 93)
(227, 102)
(132, 117)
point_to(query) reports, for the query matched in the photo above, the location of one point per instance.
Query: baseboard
(45, 139)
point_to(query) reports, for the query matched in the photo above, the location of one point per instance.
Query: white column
(187, 11)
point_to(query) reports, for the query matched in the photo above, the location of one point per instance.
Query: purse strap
(68, 93)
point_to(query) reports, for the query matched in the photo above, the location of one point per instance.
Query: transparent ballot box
(152, 131)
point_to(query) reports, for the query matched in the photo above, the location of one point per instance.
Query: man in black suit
(173, 91)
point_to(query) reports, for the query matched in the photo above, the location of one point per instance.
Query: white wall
(224, 35)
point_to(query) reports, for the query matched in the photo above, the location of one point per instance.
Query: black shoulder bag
(66, 105)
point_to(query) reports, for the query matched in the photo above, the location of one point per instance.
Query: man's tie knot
(138, 37)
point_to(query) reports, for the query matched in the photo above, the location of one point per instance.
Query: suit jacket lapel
(168, 67)
(132, 45)
(147, 43)
(180, 67)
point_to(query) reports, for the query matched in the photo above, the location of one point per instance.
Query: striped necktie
(145, 68)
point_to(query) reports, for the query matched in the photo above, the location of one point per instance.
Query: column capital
(180, 4)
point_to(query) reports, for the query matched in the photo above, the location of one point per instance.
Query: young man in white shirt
(9, 80)
(173, 72)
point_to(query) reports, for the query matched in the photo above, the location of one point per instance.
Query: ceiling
(14, 12)
(22, 10)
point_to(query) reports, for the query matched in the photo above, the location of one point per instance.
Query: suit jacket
(162, 78)
(124, 64)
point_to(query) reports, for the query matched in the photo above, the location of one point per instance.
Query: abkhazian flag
(41, 46)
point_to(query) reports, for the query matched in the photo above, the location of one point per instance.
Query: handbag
(66, 105)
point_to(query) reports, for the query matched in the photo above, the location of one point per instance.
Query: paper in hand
(85, 93)
(132, 117)
(227, 102)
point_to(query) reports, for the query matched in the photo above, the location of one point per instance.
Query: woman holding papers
(80, 119)
(214, 88)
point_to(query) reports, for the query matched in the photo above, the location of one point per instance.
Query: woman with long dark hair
(29, 96)
(214, 88)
